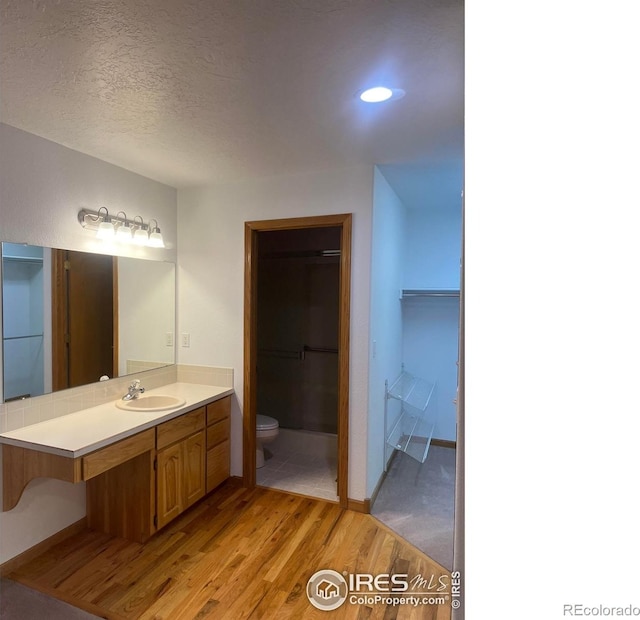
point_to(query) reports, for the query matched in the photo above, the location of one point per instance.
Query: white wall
(385, 355)
(430, 351)
(430, 326)
(146, 290)
(433, 245)
(42, 187)
(211, 279)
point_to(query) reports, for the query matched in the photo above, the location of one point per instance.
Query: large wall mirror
(70, 318)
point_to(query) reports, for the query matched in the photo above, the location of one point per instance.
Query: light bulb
(155, 239)
(123, 233)
(106, 230)
(377, 94)
(141, 237)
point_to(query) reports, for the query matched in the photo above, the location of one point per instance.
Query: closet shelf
(22, 259)
(412, 430)
(23, 337)
(412, 391)
(429, 292)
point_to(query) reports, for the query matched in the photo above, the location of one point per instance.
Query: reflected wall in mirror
(71, 317)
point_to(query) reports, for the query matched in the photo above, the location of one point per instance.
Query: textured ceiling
(191, 92)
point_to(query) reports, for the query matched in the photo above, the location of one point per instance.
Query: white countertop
(79, 433)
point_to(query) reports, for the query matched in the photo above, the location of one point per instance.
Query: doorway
(313, 345)
(84, 323)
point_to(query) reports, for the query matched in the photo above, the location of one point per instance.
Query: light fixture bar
(92, 219)
(121, 228)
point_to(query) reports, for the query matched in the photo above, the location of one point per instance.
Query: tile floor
(301, 462)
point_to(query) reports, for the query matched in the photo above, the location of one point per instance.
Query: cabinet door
(194, 464)
(169, 476)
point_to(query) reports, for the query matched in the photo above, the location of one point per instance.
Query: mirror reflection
(70, 318)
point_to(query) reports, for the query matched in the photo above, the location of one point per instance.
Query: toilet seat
(266, 423)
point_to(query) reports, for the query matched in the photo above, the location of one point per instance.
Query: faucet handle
(135, 383)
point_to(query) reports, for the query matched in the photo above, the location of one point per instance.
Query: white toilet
(266, 431)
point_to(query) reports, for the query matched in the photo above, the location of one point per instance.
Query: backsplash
(19, 413)
(134, 366)
(205, 375)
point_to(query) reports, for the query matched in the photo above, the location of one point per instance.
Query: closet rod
(23, 337)
(318, 349)
(429, 293)
(280, 353)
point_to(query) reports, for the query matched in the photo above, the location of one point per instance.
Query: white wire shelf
(412, 430)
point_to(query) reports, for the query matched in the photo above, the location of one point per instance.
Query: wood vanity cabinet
(136, 485)
(180, 475)
(121, 490)
(192, 458)
(218, 468)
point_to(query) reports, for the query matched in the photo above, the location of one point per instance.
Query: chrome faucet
(134, 390)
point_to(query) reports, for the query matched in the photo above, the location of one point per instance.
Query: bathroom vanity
(142, 468)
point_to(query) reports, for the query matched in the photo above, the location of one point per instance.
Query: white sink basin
(153, 402)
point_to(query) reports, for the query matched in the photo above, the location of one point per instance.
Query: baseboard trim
(383, 476)
(359, 505)
(443, 443)
(26, 556)
(365, 505)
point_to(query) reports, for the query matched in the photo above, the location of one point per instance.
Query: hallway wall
(211, 279)
(387, 268)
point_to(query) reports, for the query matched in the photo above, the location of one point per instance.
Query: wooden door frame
(116, 320)
(59, 318)
(251, 230)
(59, 364)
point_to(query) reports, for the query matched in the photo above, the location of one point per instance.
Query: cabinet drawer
(217, 432)
(218, 410)
(180, 427)
(217, 465)
(100, 461)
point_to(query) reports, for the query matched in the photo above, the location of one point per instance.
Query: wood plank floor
(239, 553)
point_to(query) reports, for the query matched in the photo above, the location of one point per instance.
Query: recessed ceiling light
(381, 93)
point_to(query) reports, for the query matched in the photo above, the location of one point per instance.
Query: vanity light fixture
(120, 228)
(106, 229)
(155, 236)
(123, 232)
(140, 235)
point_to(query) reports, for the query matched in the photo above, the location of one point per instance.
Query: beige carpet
(416, 500)
(18, 602)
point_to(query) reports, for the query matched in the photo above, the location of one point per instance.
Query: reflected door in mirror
(84, 290)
